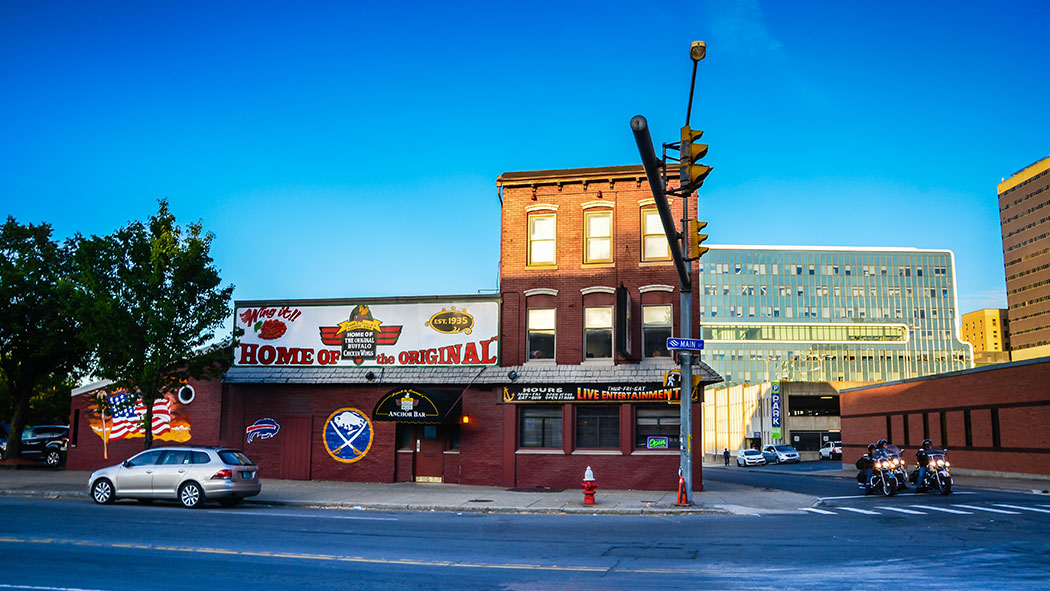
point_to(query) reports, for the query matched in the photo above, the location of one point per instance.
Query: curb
(596, 510)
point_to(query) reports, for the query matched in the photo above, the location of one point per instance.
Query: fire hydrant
(589, 486)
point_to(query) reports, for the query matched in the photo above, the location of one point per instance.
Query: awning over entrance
(409, 405)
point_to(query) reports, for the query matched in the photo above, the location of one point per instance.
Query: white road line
(899, 510)
(38, 588)
(945, 510)
(821, 511)
(839, 498)
(1022, 508)
(1044, 505)
(864, 511)
(987, 509)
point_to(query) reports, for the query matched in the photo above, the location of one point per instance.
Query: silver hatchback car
(189, 474)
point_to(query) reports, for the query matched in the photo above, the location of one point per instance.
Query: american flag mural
(129, 413)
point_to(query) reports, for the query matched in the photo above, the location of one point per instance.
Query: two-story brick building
(563, 369)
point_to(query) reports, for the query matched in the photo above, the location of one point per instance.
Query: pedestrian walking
(725, 454)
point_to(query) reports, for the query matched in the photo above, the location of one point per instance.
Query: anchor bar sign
(685, 344)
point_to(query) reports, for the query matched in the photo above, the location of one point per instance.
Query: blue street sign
(686, 344)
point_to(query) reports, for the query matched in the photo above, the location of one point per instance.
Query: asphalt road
(51, 544)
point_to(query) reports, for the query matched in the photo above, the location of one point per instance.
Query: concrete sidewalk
(718, 497)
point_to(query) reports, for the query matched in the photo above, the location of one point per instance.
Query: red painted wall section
(1017, 393)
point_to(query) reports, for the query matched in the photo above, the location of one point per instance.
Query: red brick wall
(571, 274)
(1018, 392)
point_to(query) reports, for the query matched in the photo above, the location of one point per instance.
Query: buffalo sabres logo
(347, 435)
(263, 429)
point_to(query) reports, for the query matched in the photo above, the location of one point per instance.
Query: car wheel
(230, 501)
(102, 492)
(190, 495)
(53, 458)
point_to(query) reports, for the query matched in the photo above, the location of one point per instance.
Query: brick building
(991, 418)
(1023, 198)
(562, 370)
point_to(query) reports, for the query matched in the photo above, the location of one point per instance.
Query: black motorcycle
(897, 465)
(938, 476)
(882, 477)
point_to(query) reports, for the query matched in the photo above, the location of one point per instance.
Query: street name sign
(685, 344)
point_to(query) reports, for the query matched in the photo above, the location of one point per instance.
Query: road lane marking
(821, 511)
(840, 498)
(1021, 508)
(42, 588)
(899, 510)
(863, 511)
(943, 509)
(322, 557)
(989, 509)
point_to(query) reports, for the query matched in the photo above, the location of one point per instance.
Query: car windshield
(235, 458)
(751, 452)
(783, 448)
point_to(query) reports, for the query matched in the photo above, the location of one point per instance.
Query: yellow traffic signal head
(692, 173)
(696, 238)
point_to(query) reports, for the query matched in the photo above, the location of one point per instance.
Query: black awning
(411, 405)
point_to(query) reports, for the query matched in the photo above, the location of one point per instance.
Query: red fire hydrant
(589, 486)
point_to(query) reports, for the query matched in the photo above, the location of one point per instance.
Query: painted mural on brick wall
(364, 334)
(122, 416)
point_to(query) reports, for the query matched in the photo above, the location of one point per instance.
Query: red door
(295, 448)
(430, 454)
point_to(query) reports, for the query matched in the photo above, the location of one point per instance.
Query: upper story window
(541, 239)
(540, 336)
(598, 332)
(597, 239)
(654, 241)
(656, 329)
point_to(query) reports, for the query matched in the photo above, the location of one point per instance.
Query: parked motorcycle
(938, 476)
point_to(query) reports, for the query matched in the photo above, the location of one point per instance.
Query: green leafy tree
(39, 345)
(151, 299)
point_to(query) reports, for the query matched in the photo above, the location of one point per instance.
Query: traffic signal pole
(692, 176)
(678, 243)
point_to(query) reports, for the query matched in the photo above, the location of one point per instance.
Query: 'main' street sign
(685, 344)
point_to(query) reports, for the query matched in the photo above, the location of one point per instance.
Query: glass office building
(829, 314)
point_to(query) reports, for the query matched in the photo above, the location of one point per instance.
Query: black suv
(45, 443)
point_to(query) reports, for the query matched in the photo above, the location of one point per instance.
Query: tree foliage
(151, 300)
(39, 344)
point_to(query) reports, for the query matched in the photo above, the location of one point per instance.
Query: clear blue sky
(339, 150)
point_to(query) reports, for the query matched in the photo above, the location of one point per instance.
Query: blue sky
(339, 150)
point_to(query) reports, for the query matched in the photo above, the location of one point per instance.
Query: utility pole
(691, 175)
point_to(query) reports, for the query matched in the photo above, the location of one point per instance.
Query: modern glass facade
(823, 314)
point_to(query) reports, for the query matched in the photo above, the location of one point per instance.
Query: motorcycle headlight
(885, 464)
(947, 463)
(940, 462)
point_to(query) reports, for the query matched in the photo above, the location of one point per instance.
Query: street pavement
(721, 495)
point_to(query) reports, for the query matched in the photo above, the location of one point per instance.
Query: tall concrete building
(1024, 212)
(988, 330)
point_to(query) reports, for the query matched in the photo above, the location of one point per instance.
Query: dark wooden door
(430, 454)
(295, 447)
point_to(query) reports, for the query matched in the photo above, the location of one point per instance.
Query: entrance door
(430, 454)
(295, 447)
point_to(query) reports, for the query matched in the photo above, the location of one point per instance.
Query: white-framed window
(541, 239)
(540, 333)
(654, 241)
(598, 332)
(597, 237)
(656, 329)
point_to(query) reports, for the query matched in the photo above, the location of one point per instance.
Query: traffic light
(695, 238)
(693, 173)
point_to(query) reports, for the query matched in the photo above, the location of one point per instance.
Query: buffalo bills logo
(263, 429)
